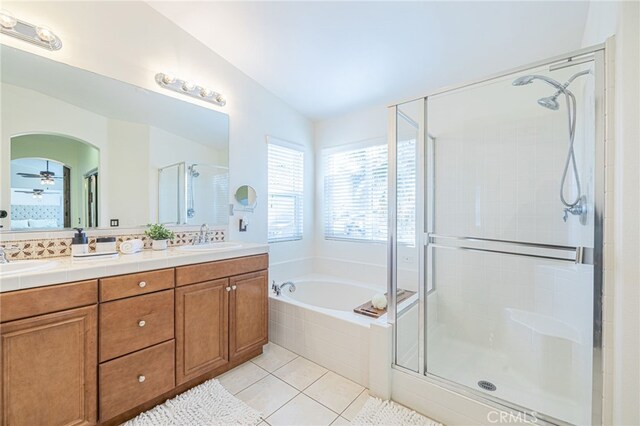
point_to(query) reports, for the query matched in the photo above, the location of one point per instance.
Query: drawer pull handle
(233, 287)
(141, 378)
(228, 288)
(142, 284)
(142, 323)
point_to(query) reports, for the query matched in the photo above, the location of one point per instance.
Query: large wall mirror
(81, 149)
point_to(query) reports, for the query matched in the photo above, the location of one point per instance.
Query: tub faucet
(277, 289)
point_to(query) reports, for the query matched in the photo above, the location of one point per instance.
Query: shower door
(510, 278)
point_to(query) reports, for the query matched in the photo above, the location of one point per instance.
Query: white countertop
(66, 269)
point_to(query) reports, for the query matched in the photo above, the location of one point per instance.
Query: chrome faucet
(203, 237)
(277, 289)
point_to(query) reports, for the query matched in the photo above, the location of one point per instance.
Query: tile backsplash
(49, 246)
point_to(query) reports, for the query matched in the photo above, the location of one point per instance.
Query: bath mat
(379, 412)
(208, 404)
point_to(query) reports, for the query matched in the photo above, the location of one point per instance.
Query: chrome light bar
(170, 82)
(34, 34)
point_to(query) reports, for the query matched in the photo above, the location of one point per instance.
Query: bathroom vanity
(103, 349)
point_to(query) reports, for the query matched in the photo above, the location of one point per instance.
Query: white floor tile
(334, 391)
(340, 421)
(267, 395)
(273, 357)
(242, 377)
(354, 408)
(302, 411)
(300, 373)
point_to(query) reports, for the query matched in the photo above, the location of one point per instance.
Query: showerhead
(194, 172)
(521, 81)
(550, 102)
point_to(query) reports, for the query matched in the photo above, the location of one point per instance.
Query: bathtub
(317, 321)
(337, 298)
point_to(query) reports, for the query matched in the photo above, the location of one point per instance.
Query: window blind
(355, 193)
(285, 193)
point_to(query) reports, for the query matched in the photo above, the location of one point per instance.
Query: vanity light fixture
(170, 82)
(34, 34)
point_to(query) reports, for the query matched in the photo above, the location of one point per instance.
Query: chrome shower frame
(424, 198)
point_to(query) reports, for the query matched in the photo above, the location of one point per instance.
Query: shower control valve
(579, 209)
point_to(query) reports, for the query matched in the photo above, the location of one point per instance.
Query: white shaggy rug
(208, 404)
(388, 413)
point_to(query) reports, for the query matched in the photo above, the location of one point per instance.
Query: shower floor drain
(488, 386)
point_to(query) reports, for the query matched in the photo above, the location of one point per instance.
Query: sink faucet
(277, 289)
(3, 253)
(203, 237)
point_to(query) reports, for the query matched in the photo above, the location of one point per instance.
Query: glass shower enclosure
(193, 193)
(507, 259)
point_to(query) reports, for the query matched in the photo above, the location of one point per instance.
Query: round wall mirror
(246, 196)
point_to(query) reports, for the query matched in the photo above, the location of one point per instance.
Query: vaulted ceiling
(329, 58)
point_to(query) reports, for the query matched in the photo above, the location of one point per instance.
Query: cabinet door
(202, 322)
(49, 369)
(249, 313)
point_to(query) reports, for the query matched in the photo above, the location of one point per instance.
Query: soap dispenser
(79, 243)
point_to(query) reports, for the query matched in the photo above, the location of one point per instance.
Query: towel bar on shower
(578, 255)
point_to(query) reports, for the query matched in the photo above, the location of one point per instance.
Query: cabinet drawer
(134, 284)
(223, 268)
(44, 300)
(136, 378)
(135, 323)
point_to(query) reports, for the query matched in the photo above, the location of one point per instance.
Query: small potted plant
(160, 235)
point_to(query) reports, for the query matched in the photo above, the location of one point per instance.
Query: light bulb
(7, 20)
(168, 78)
(221, 100)
(205, 93)
(188, 86)
(43, 181)
(45, 34)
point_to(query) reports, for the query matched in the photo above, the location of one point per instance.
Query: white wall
(131, 42)
(337, 257)
(622, 228)
(126, 173)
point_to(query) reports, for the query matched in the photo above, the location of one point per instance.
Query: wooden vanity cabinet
(103, 351)
(48, 362)
(248, 313)
(202, 321)
(220, 320)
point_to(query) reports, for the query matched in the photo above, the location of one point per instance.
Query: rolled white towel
(131, 246)
(379, 301)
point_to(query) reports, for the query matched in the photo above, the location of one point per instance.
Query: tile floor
(291, 390)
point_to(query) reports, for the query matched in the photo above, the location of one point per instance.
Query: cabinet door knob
(228, 288)
(141, 323)
(141, 378)
(142, 284)
(233, 287)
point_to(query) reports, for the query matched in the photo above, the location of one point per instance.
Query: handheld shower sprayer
(577, 206)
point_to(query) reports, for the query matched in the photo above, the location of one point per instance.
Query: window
(355, 193)
(285, 192)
